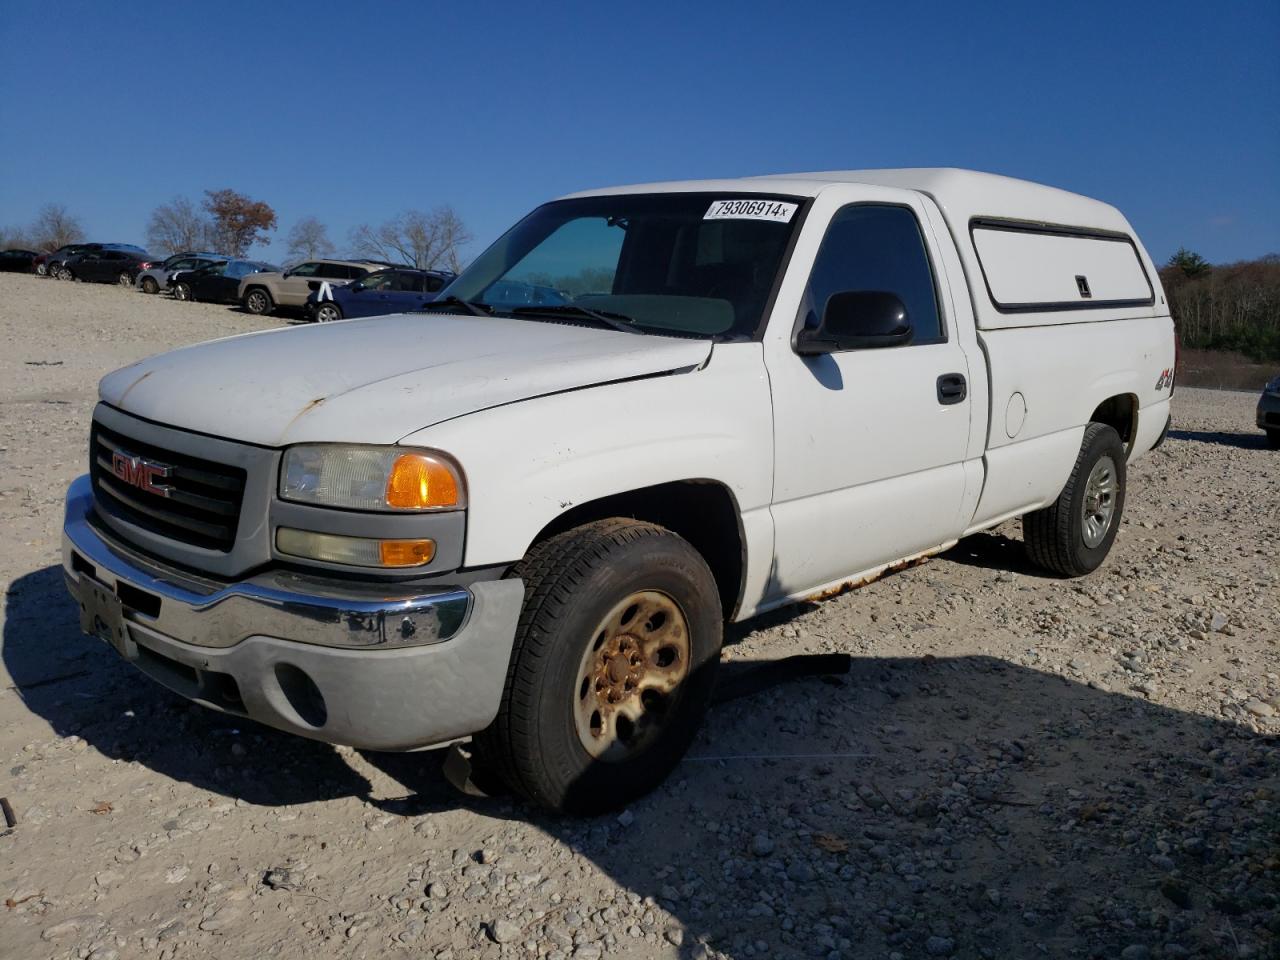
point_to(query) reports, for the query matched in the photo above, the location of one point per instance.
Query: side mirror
(286, 275)
(857, 320)
(357, 286)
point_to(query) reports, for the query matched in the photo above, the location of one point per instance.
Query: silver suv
(262, 293)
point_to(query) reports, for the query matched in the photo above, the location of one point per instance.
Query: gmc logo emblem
(141, 473)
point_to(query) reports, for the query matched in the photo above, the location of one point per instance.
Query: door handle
(952, 388)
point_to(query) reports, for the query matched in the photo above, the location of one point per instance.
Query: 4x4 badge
(1165, 379)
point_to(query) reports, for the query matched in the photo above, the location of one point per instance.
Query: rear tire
(42, 270)
(612, 670)
(1273, 439)
(1073, 535)
(258, 302)
(182, 291)
(125, 279)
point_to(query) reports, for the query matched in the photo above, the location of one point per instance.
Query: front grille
(203, 506)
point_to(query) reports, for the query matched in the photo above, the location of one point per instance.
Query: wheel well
(704, 512)
(1119, 412)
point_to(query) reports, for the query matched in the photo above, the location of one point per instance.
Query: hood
(380, 379)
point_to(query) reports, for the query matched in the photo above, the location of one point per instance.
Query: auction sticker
(779, 211)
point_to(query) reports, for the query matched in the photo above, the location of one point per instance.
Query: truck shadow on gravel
(964, 807)
(1244, 441)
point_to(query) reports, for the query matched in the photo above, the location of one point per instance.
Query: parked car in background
(1269, 412)
(397, 290)
(157, 277)
(218, 282)
(50, 264)
(17, 261)
(263, 293)
(118, 265)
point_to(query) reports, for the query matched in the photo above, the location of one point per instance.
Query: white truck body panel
(527, 463)
(838, 423)
(376, 380)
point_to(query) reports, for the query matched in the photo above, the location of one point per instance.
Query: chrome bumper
(381, 666)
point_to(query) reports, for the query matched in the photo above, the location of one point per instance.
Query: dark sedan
(17, 261)
(398, 290)
(1269, 412)
(108, 265)
(50, 264)
(218, 282)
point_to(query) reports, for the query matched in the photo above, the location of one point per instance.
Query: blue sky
(352, 113)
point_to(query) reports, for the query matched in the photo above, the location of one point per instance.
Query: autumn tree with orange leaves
(238, 222)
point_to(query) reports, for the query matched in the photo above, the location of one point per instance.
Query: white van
(526, 513)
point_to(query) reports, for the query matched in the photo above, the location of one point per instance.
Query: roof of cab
(960, 194)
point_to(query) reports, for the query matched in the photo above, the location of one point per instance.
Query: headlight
(370, 478)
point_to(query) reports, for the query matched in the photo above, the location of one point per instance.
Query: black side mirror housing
(857, 320)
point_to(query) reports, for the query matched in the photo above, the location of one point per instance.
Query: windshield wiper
(614, 321)
(475, 309)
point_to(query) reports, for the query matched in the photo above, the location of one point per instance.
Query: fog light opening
(303, 695)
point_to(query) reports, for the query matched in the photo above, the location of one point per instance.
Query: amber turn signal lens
(358, 551)
(419, 482)
(406, 553)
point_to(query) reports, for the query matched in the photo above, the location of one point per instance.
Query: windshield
(697, 264)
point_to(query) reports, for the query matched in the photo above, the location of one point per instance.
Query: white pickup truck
(524, 514)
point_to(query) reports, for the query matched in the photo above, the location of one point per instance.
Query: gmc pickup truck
(524, 513)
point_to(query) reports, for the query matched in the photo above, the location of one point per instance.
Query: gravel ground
(1014, 766)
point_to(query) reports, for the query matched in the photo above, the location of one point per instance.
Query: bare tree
(55, 227)
(15, 238)
(309, 239)
(429, 240)
(178, 225)
(238, 221)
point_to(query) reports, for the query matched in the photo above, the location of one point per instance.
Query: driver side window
(876, 247)
(304, 270)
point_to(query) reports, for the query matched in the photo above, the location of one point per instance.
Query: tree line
(230, 222)
(1233, 306)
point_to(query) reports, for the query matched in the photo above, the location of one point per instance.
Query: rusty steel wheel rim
(630, 676)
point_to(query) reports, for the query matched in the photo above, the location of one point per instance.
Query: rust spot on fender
(134, 384)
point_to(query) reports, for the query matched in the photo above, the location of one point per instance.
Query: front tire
(612, 670)
(182, 291)
(149, 285)
(1073, 535)
(258, 302)
(328, 312)
(42, 270)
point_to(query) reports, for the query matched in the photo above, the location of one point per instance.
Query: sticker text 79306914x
(778, 211)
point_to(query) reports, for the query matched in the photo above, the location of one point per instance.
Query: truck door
(870, 441)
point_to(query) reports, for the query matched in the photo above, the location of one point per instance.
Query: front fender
(528, 462)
